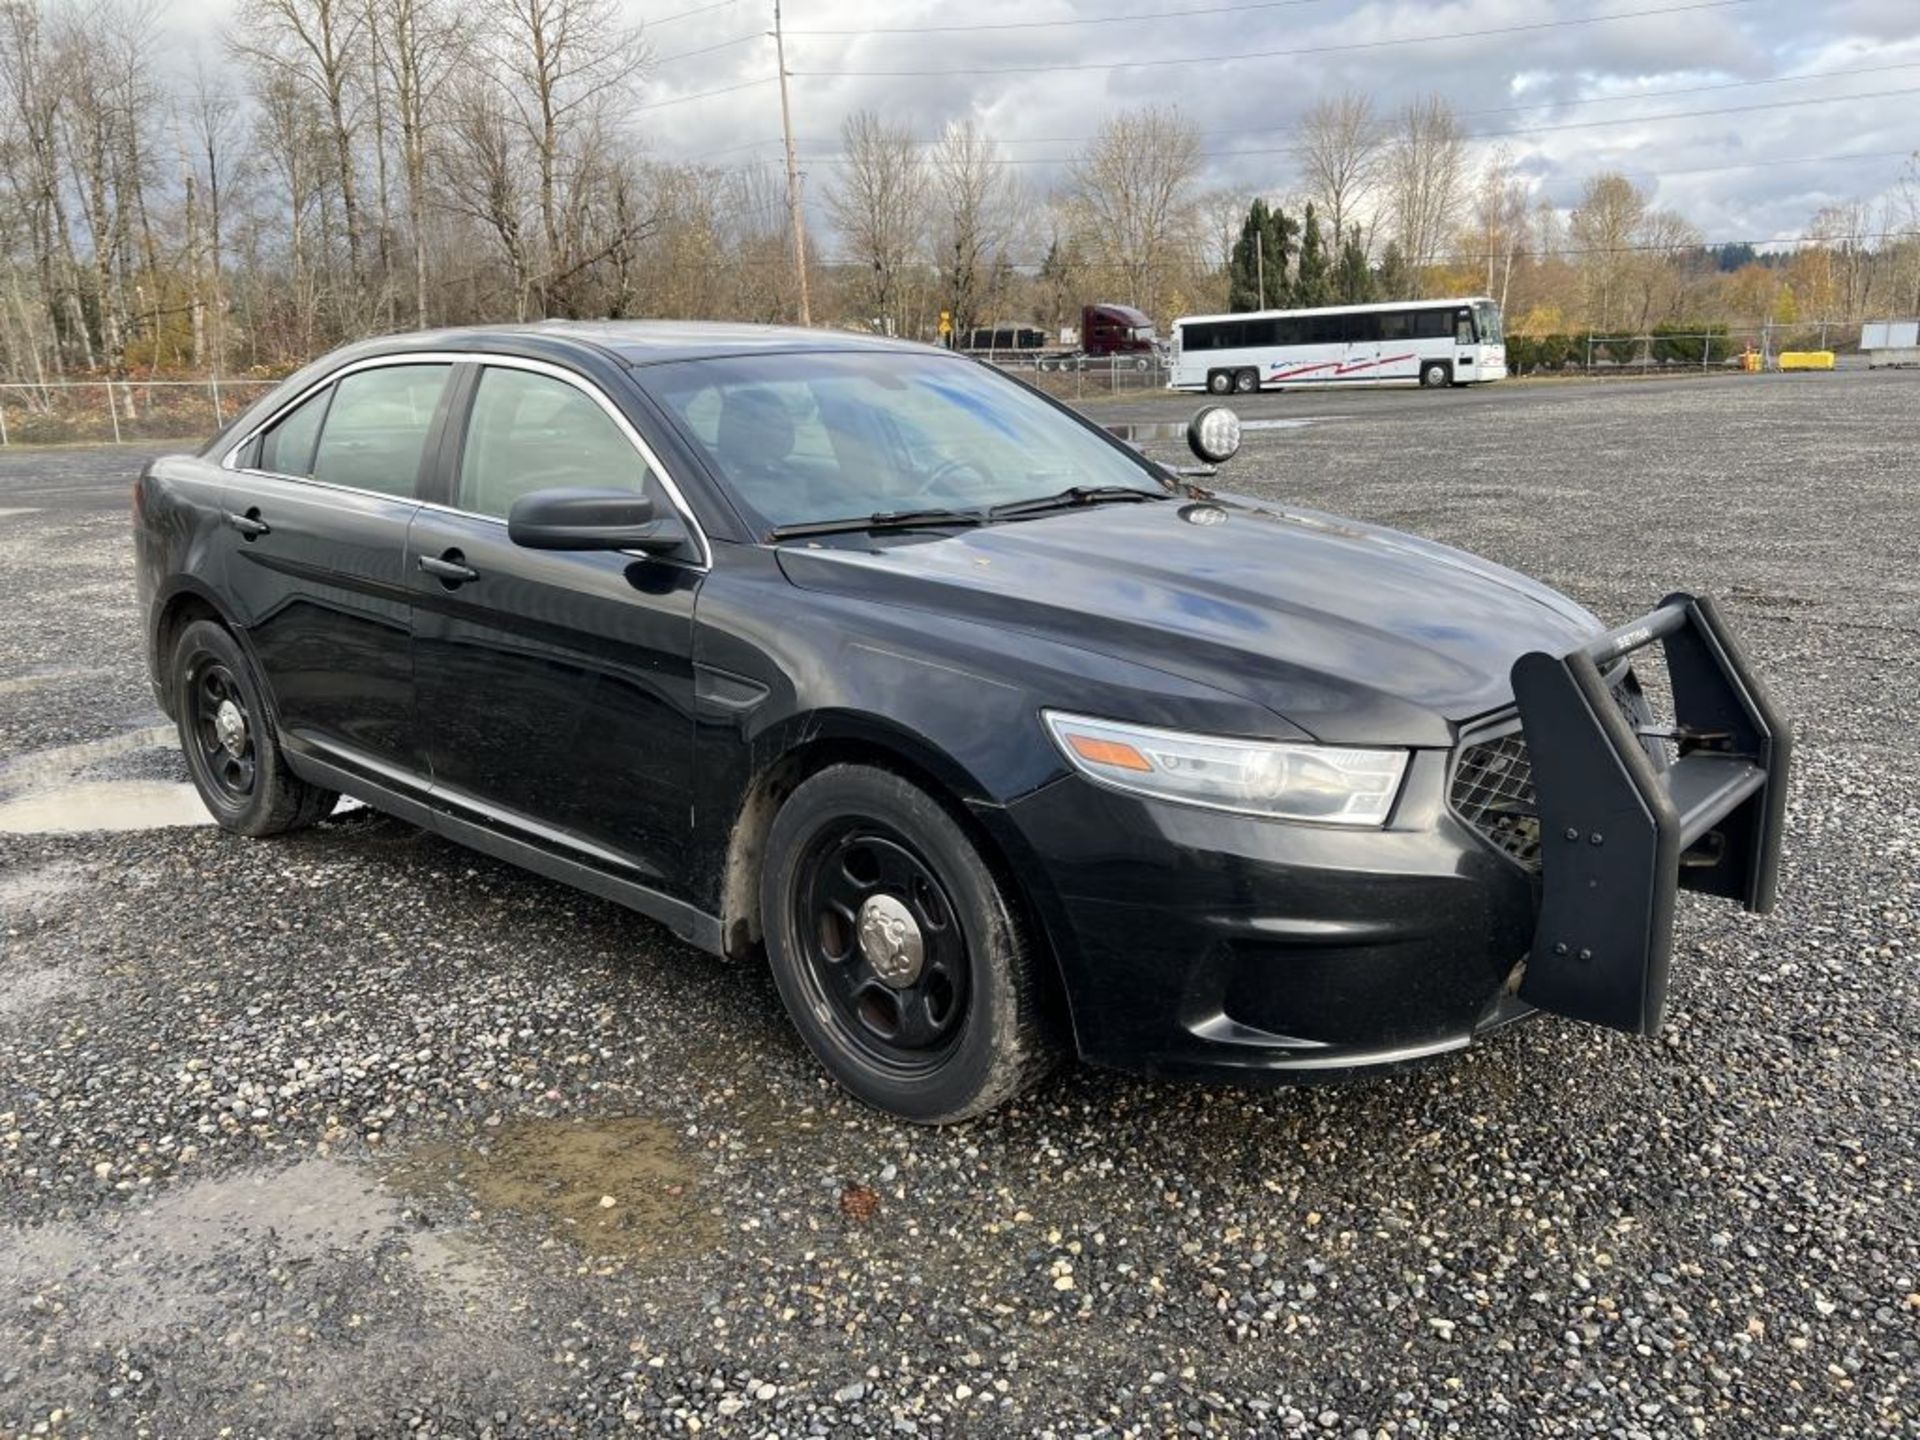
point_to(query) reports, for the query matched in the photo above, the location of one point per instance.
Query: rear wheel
(1436, 375)
(898, 956)
(1220, 382)
(232, 752)
(1246, 381)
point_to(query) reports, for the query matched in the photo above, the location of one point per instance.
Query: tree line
(336, 168)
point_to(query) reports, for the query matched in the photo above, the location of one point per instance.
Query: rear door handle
(250, 525)
(450, 568)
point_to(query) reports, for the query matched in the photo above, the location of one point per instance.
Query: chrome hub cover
(230, 726)
(890, 939)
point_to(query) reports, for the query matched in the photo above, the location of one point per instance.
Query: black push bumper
(1620, 837)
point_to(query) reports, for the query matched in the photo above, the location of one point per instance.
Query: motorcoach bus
(1411, 342)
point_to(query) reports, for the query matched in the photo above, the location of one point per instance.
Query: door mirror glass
(587, 519)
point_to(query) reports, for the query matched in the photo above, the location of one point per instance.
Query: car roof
(640, 342)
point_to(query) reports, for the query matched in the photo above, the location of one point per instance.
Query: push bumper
(1195, 942)
(1621, 838)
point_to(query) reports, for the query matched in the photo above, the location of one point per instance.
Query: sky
(1535, 76)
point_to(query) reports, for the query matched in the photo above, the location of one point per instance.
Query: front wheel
(232, 752)
(898, 956)
(1436, 375)
(1220, 382)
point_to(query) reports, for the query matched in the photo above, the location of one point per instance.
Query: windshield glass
(1487, 317)
(808, 438)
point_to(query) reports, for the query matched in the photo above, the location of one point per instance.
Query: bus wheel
(1436, 375)
(1247, 381)
(1220, 381)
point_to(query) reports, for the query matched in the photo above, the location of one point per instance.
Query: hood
(1353, 633)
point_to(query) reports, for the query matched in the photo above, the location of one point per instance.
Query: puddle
(620, 1187)
(47, 792)
(104, 805)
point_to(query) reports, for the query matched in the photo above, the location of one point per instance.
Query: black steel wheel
(227, 736)
(896, 951)
(883, 952)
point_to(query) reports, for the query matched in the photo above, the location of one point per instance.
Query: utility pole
(796, 218)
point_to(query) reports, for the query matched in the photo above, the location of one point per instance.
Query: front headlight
(1327, 783)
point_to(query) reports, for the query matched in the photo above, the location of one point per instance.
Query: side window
(1325, 329)
(1258, 332)
(1431, 325)
(531, 432)
(377, 426)
(1463, 327)
(1291, 331)
(1363, 329)
(287, 448)
(1396, 325)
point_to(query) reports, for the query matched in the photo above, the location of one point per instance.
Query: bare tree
(1602, 230)
(319, 44)
(1131, 190)
(562, 64)
(1423, 169)
(1340, 156)
(879, 203)
(977, 199)
(1499, 221)
(423, 47)
(480, 173)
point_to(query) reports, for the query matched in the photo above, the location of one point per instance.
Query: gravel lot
(357, 1132)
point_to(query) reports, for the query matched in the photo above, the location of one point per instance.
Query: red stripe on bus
(1365, 364)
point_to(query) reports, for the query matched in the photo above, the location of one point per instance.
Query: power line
(1065, 24)
(1273, 54)
(703, 95)
(709, 49)
(689, 14)
(1482, 135)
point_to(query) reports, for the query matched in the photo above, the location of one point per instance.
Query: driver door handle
(449, 568)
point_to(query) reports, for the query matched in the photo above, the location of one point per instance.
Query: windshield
(808, 438)
(1487, 318)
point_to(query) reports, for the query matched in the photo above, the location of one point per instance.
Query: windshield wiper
(1070, 497)
(880, 520)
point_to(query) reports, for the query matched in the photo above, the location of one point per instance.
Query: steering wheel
(941, 471)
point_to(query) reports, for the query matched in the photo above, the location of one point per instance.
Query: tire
(1220, 382)
(241, 774)
(936, 1019)
(1246, 382)
(1436, 375)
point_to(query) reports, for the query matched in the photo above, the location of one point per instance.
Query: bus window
(1431, 325)
(1396, 325)
(1325, 329)
(1258, 332)
(1463, 327)
(1364, 329)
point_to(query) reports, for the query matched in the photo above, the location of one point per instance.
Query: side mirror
(1214, 434)
(592, 520)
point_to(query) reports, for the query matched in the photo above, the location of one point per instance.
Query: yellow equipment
(1806, 360)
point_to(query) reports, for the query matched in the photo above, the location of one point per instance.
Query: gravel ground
(357, 1132)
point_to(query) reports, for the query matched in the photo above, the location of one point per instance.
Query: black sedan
(994, 737)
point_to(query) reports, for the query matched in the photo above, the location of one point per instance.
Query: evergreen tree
(1352, 277)
(1261, 253)
(1313, 278)
(1394, 279)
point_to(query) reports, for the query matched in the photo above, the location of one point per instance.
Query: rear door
(554, 688)
(317, 516)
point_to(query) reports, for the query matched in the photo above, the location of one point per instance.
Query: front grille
(1493, 792)
(1493, 782)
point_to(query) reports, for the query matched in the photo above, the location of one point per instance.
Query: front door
(317, 517)
(554, 688)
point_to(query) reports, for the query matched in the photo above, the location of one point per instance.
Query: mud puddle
(49, 792)
(622, 1186)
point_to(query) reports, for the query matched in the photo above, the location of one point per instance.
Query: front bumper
(1194, 942)
(1204, 943)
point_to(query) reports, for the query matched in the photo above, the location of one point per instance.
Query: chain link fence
(60, 412)
(1080, 377)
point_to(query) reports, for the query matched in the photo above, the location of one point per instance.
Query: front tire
(1436, 375)
(899, 957)
(1220, 382)
(228, 738)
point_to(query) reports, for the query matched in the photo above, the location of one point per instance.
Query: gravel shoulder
(357, 1132)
